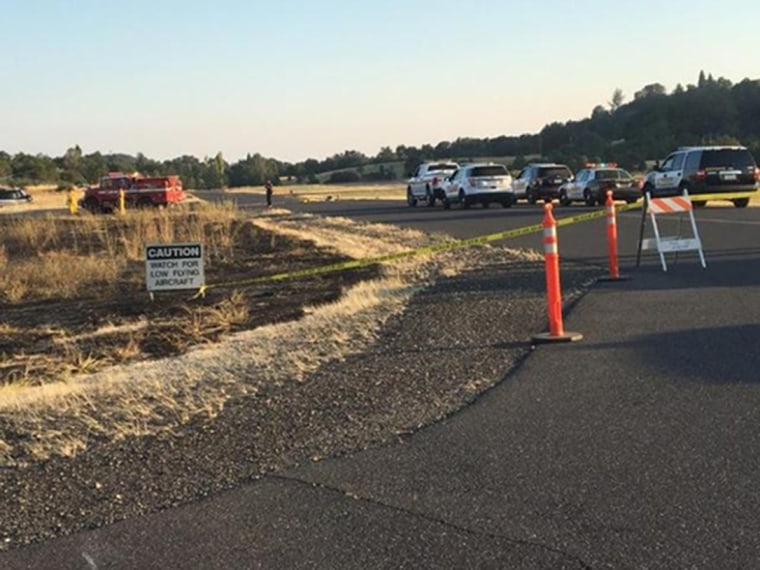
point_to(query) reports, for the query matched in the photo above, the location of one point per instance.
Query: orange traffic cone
(556, 332)
(612, 241)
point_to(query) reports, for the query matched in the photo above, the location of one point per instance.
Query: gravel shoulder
(458, 336)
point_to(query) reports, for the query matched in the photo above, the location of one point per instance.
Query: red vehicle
(139, 191)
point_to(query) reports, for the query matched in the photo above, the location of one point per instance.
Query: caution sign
(170, 267)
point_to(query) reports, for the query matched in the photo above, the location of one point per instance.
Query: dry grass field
(85, 355)
(73, 300)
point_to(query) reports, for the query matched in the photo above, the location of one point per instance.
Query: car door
(452, 185)
(670, 173)
(520, 184)
(414, 181)
(575, 188)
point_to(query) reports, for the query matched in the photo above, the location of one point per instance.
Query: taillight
(641, 185)
(757, 174)
(435, 180)
(701, 175)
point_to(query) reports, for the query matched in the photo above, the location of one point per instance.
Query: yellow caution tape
(723, 196)
(446, 246)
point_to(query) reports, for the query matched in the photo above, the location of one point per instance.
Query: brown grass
(58, 257)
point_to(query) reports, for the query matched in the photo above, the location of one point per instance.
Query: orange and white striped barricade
(557, 332)
(671, 244)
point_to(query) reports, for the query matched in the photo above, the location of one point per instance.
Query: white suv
(482, 183)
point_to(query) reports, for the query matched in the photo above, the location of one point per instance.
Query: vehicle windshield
(496, 170)
(728, 157)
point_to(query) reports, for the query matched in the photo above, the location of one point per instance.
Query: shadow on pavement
(712, 355)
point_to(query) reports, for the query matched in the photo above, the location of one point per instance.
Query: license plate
(728, 176)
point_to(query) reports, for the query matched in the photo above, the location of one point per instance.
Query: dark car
(592, 183)
(706, 170)
(541, 181)
(12, 196)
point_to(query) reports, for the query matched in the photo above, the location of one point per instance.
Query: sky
(297, 79)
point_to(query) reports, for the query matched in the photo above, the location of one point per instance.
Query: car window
(523, 173)
(668, 164)
(692, 161)
(442, 166)
(494, 170)
(727, 157)
(554, 171)
(4, 194)
(454, 175)
(623, 174)
(606, 174)
(678, 161)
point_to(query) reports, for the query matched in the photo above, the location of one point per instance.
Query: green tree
(220, 170)
(6, 167)
(617, 100)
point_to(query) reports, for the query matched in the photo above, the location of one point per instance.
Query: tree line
(651, 124)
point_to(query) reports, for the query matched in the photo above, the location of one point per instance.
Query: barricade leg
(556, 332)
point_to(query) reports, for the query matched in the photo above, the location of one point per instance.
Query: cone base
(609, 279)
(546, 338)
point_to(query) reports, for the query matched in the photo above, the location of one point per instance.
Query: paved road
(636, 448)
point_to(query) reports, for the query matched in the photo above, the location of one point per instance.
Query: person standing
(268, 188)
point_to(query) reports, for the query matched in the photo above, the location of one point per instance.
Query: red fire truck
(139, 191)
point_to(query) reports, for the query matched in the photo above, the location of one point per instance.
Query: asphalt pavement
(634, 448)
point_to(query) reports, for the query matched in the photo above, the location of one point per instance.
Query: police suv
(705, 170)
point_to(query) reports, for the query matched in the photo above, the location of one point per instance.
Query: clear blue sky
(294, 79)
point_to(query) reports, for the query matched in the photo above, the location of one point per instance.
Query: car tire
(486, 203)
(410, 199)
(741, 202)
(588, 198)
(631, 200)
(464, 200)
(429, 197)
(531, 196)
(144, 203)
(446, 204)
(699, 203)
(563, 199)
(507, 203)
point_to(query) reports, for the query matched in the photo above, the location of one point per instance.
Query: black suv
(541, 181)
(706, 170)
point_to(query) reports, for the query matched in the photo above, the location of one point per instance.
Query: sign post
(175, 266)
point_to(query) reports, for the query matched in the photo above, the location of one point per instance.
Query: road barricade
(680, 205)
